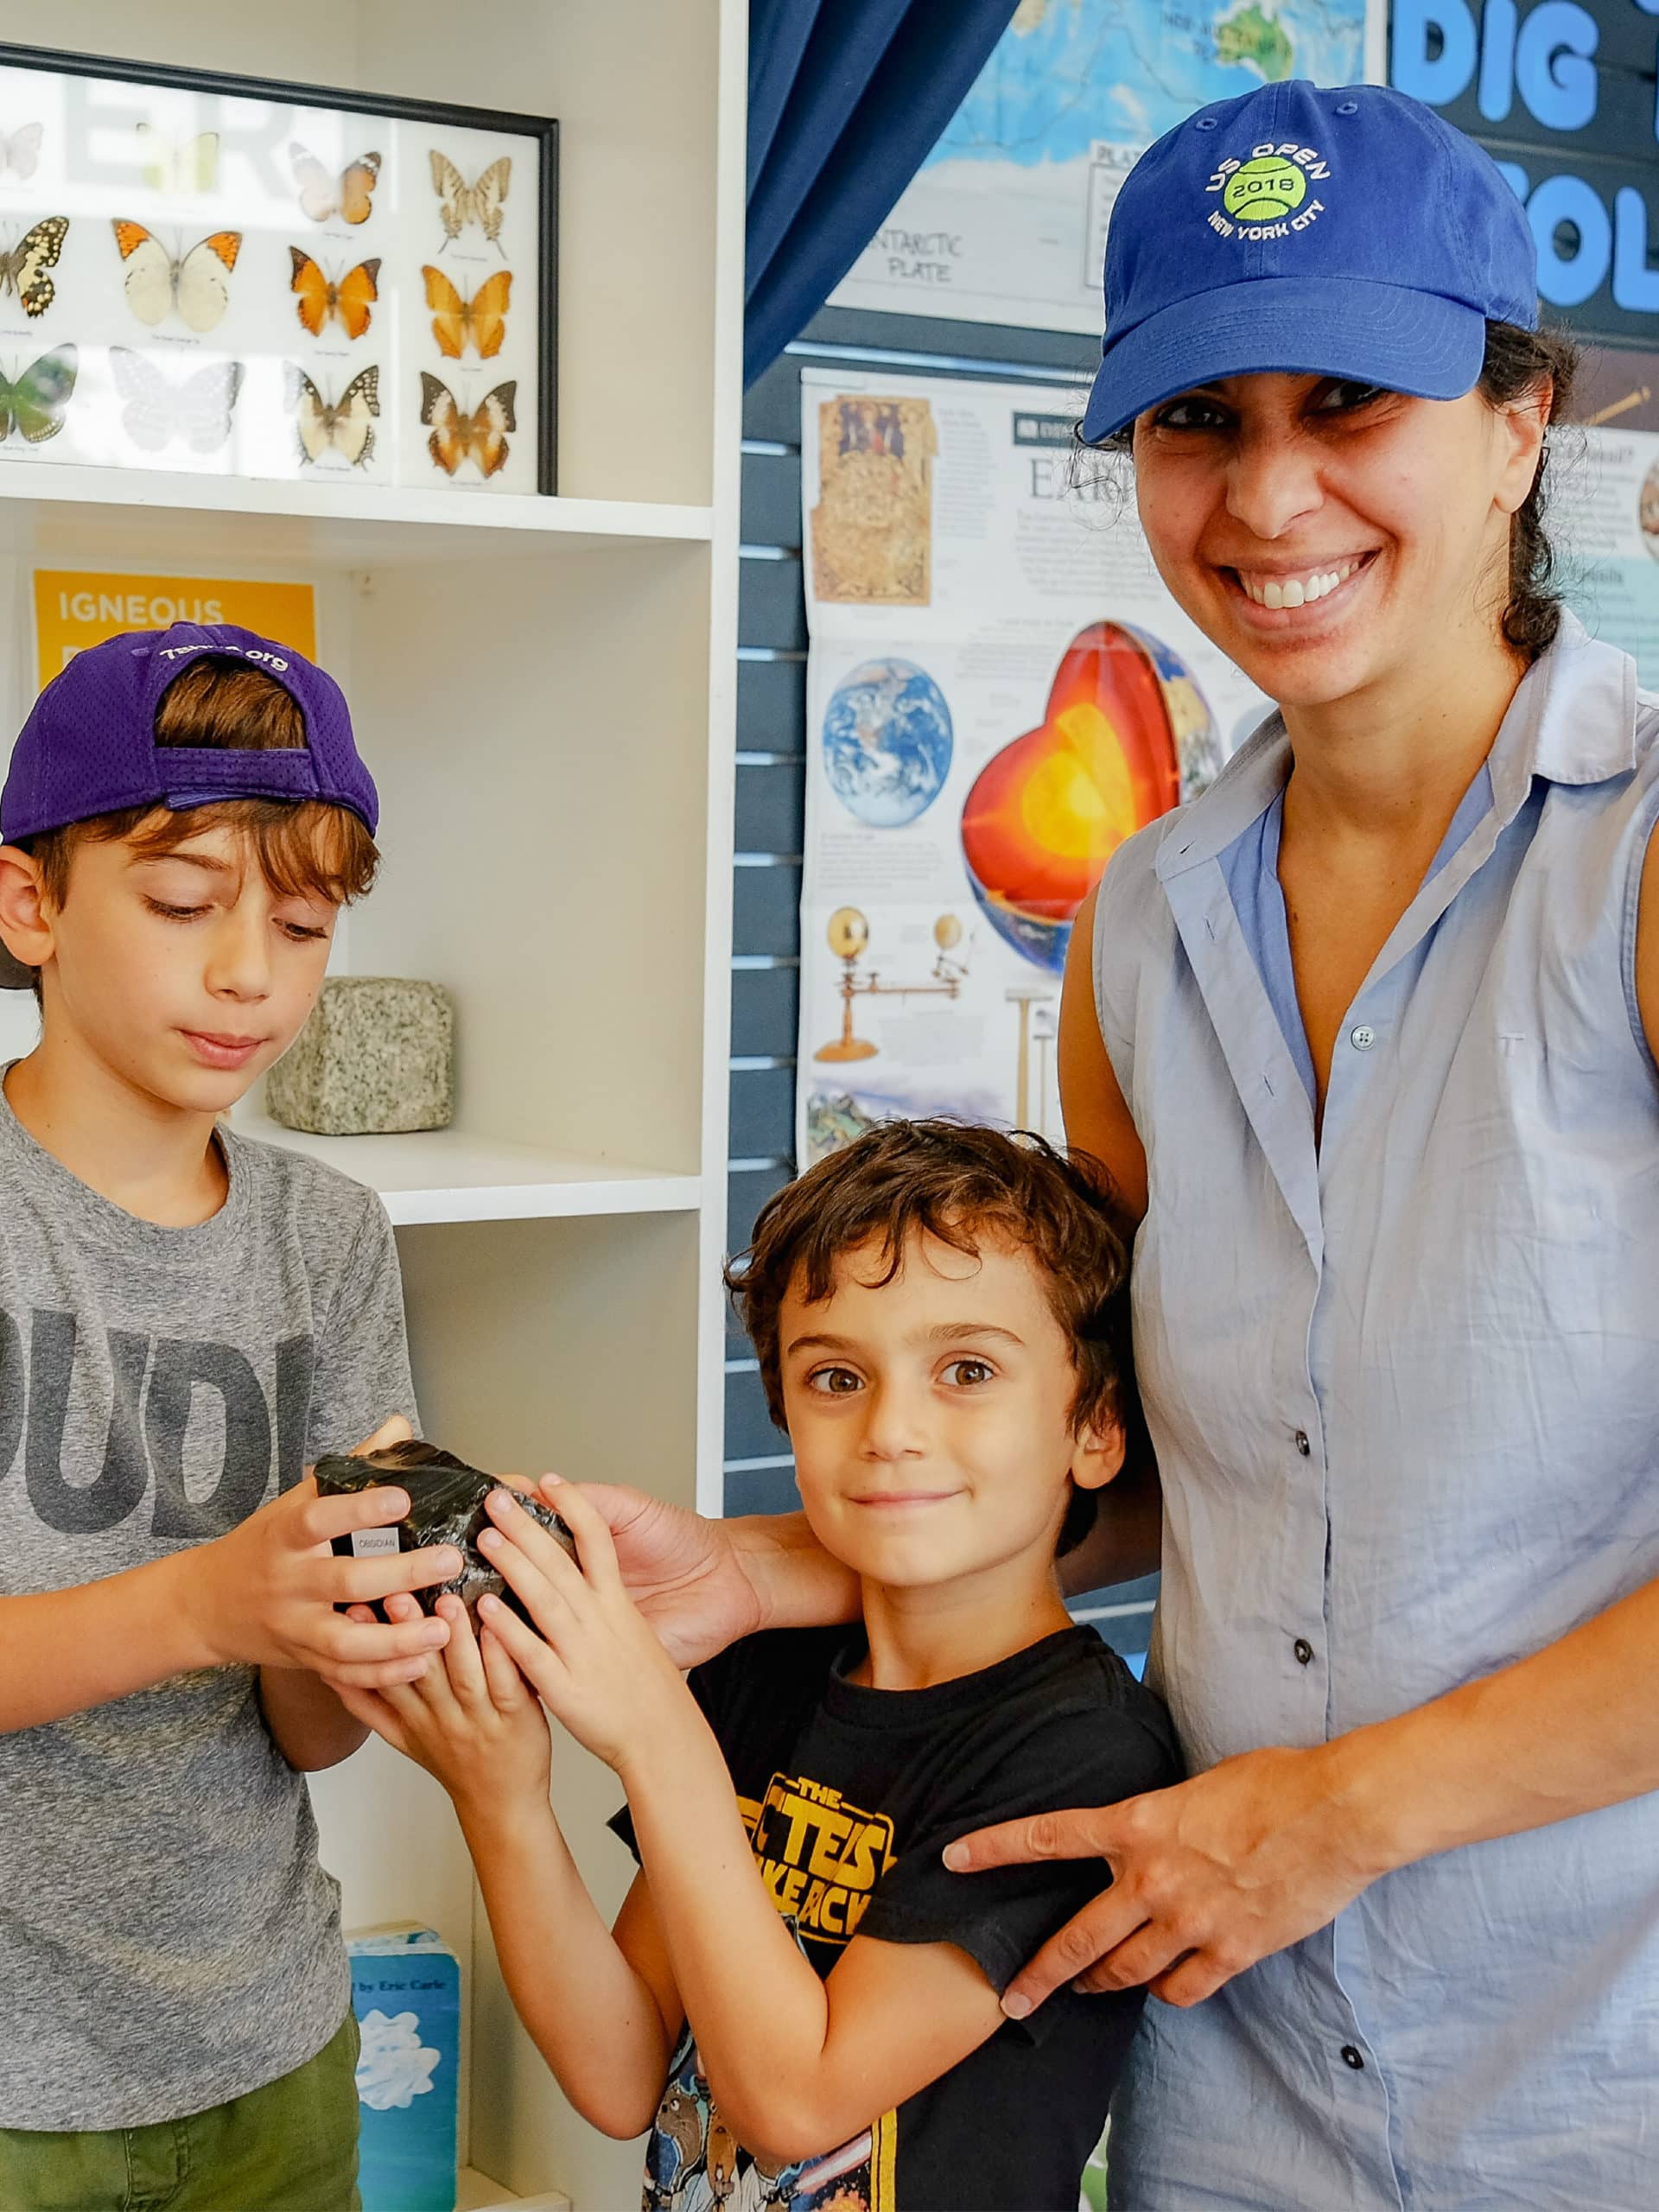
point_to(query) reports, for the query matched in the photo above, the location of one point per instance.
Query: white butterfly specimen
(21, 153)
(179, 164)
(196, 283)
(197, 407)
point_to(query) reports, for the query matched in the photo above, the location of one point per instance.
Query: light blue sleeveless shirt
(1404, 1391)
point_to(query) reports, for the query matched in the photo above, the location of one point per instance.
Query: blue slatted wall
(771, 797)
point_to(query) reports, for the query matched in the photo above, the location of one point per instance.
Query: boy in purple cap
(186, 1318)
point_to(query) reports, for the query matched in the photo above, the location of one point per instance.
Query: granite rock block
(376, 1059)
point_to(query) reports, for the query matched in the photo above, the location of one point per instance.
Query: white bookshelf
(543, 689)
(52, 513)
(447, 1175)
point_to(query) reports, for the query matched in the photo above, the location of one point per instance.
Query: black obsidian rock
(446, 1498)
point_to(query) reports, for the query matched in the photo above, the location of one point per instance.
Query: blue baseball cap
(89, 745)
(1350, 233)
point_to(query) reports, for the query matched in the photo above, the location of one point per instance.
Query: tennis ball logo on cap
(1264, 188)
(1268, 194)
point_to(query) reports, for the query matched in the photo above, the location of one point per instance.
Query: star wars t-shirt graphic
(820, 1856)
(695, 2163)
(849, 1795)
(821, 1859)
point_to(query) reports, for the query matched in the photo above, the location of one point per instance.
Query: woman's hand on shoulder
(687, 1575)
(1206, 1877)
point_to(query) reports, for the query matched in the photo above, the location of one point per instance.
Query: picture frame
(238, 277)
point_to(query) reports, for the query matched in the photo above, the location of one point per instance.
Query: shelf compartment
(447, 1175)
(159, 519)
(478, 2193)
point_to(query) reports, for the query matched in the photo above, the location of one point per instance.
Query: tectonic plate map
(1007, 220)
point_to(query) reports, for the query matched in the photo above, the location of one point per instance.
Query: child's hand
(264, 1594)
(601, 1670)
(470, 1720)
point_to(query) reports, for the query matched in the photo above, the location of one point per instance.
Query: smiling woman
(1368, 1032)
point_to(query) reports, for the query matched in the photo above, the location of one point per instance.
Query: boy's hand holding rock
(265, 1594)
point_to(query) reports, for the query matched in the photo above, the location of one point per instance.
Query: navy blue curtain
(846, 100)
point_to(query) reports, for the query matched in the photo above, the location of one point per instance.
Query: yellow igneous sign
(75, 608)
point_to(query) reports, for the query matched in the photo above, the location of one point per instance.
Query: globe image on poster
(887, 742)
(1648, 510)
(1126, 736)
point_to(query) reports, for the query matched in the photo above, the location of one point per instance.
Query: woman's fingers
(1150, 1949)
(1084, 1943)
(1192, 1978)
(1087, 1831)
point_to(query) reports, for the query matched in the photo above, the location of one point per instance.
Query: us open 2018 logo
(1267, 195)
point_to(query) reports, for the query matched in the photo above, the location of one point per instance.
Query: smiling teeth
(1295, 591)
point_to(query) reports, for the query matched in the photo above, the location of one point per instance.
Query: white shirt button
(1361, 1038)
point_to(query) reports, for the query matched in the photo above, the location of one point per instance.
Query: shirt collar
(1572, 720)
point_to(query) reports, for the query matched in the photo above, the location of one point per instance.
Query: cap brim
(1416, 342)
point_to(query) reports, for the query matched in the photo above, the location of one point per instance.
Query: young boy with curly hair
(938, 1313)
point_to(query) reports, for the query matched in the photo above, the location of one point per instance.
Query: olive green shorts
(288, 2148)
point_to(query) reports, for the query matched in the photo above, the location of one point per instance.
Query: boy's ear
(1097, 1455)
(24, 928)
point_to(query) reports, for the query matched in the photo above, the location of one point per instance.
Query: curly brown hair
(964, 1184)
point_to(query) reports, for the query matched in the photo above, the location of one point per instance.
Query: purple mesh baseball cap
(89, 745)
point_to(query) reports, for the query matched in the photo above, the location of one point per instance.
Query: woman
(1367, 1031)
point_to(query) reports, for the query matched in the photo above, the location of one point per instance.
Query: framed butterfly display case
(228, 277)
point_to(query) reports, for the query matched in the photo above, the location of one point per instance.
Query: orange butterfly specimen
(482, 318)
(348, 301)
(457, 436)
(323, 195)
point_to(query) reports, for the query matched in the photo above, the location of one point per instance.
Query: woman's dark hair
(961, 1183)
(1517, 362)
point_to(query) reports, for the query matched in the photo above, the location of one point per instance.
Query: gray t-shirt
(168, 1938)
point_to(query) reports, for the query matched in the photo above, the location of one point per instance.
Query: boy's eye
(174, 913)
(834, 1382)
(969, 1372)
(302, 934)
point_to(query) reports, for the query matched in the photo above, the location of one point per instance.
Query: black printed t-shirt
(849, 1795)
